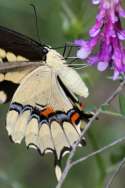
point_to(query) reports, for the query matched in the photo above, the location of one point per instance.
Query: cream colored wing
(9, 81)
(40, 111)
(38, 93)
(73, 81)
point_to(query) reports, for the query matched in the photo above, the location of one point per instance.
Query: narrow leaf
(122, 104)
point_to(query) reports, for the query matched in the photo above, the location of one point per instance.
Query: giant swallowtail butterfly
(45, 109)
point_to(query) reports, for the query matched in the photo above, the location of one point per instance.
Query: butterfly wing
(15, 47)
(39, 96)
(19, 44)
(42, 113)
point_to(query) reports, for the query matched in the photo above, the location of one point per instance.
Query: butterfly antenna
(72, 61)
(36, 21)
(69, 52)
(64, 51)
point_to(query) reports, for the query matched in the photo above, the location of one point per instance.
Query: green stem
(99, 161)
(113, 113)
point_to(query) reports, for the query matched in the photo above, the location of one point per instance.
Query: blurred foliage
(60, 22)
(122, 104)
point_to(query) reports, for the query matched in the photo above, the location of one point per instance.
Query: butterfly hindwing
(43, 104)
(42, 112)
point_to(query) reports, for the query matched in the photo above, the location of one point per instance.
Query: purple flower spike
(83, 53)
(94, 31)
(85, 49)
(121, 12)
(108, 35)
(102, 66)
(116, 74)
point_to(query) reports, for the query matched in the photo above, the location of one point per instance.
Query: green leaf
(122, 104)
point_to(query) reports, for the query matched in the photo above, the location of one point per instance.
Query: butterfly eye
(44, 53)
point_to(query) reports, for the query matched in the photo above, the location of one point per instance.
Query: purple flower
(107, 35)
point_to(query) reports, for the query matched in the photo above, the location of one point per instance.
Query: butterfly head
(45, 51)
(53, 58)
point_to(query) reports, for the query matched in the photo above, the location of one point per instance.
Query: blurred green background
(61, 21)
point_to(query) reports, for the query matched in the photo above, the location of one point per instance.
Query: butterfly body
(45, 109)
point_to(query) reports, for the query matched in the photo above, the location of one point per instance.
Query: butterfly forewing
(19, 45)
(15, 47)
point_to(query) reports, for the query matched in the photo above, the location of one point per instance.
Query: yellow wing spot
(10, 56)
(3, 97)
(21, 58)
(82, 125)
(2, 53)
(1, 77)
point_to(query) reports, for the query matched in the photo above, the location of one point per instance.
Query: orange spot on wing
(74, 117)
(48, 110)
